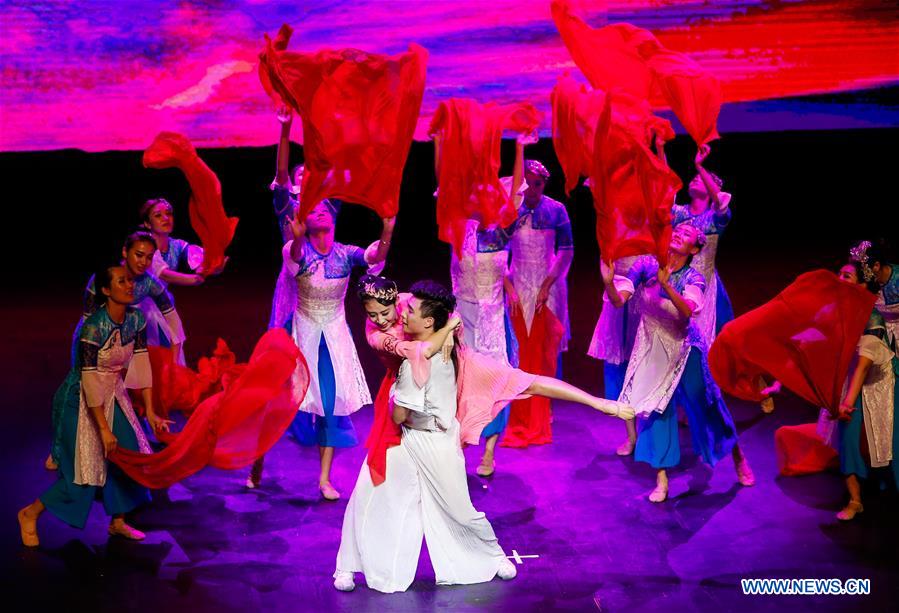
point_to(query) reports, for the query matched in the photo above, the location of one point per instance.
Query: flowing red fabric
(624, 58)
(359, 112)
(576, 110)
(530, 420)
(234, 427)
(384, 432)
(178, 388)
(805, 338)
(800, 451)
(470, 135)
(207, 216)
(632, 189)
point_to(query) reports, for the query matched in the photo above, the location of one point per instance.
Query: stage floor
(574, 513)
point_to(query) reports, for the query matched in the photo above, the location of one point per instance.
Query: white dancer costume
(425, 495)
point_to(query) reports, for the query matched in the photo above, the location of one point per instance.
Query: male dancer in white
(426, 490)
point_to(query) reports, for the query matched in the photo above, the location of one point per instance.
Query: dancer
(426, 492)
(97, 415)
(321, 268)
(137, 254)
(542, 249)
(479, 279)
(491, 382)
(668, 366)
(171, 254)
(868, 407)
(887, 276)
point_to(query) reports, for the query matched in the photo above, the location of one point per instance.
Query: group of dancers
(452, 358)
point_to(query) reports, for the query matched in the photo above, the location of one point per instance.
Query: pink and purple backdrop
(111, 74)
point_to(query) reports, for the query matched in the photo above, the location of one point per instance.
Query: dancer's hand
(447, 349)
(285, 115)
(157, 423)
(110, 442)
(454, 322)
(772, 389)
(701, 154)
(606, 272)
(528, 139)
(845, 412)
(664, 274)
(297, 228)
(192, 280)
(543, 295)
(514, 302)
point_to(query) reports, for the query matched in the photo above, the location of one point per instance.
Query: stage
(574, 513)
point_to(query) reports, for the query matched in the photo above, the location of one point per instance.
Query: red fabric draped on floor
(805, 338)
(530, 420)
(234, 427)
(468, 176)
(359, 112)
(633, 189)
(624, 58)
(207, 216)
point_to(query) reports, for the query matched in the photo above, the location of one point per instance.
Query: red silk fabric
(384, 432)
(805, 338)
(470, 134)
(234, 427)
(633, 189)
(624, 58)
(178, 388)
(530, 420)
(207, 215)
(359, 112)
(800, 451)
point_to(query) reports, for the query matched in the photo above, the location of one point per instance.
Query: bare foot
(626, 448)
(328, 491)
(660, 493)
(487, 466)
(50, 463)
(850, 510)
(744, 472)
(118, 527)
(28, 528)
(767, 405)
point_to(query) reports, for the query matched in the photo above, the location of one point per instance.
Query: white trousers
(425, 494)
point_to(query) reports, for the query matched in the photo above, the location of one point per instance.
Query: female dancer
(668, 366)
(479, 278)
(868, 408)
(137, 256)
(171, 255)
(321, 269)
(426, 493)
(97, 415)
(495, 381)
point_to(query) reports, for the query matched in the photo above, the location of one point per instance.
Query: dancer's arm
(92, 385)
(847, 406)
(282, 171)
(616, 297)
(438, 338)
(380, 253)
(298, 229)
(684, 306)
(719, 199)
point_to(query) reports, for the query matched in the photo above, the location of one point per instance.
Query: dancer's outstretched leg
(557, 389)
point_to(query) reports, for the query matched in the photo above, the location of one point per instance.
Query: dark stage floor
(575, 513)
